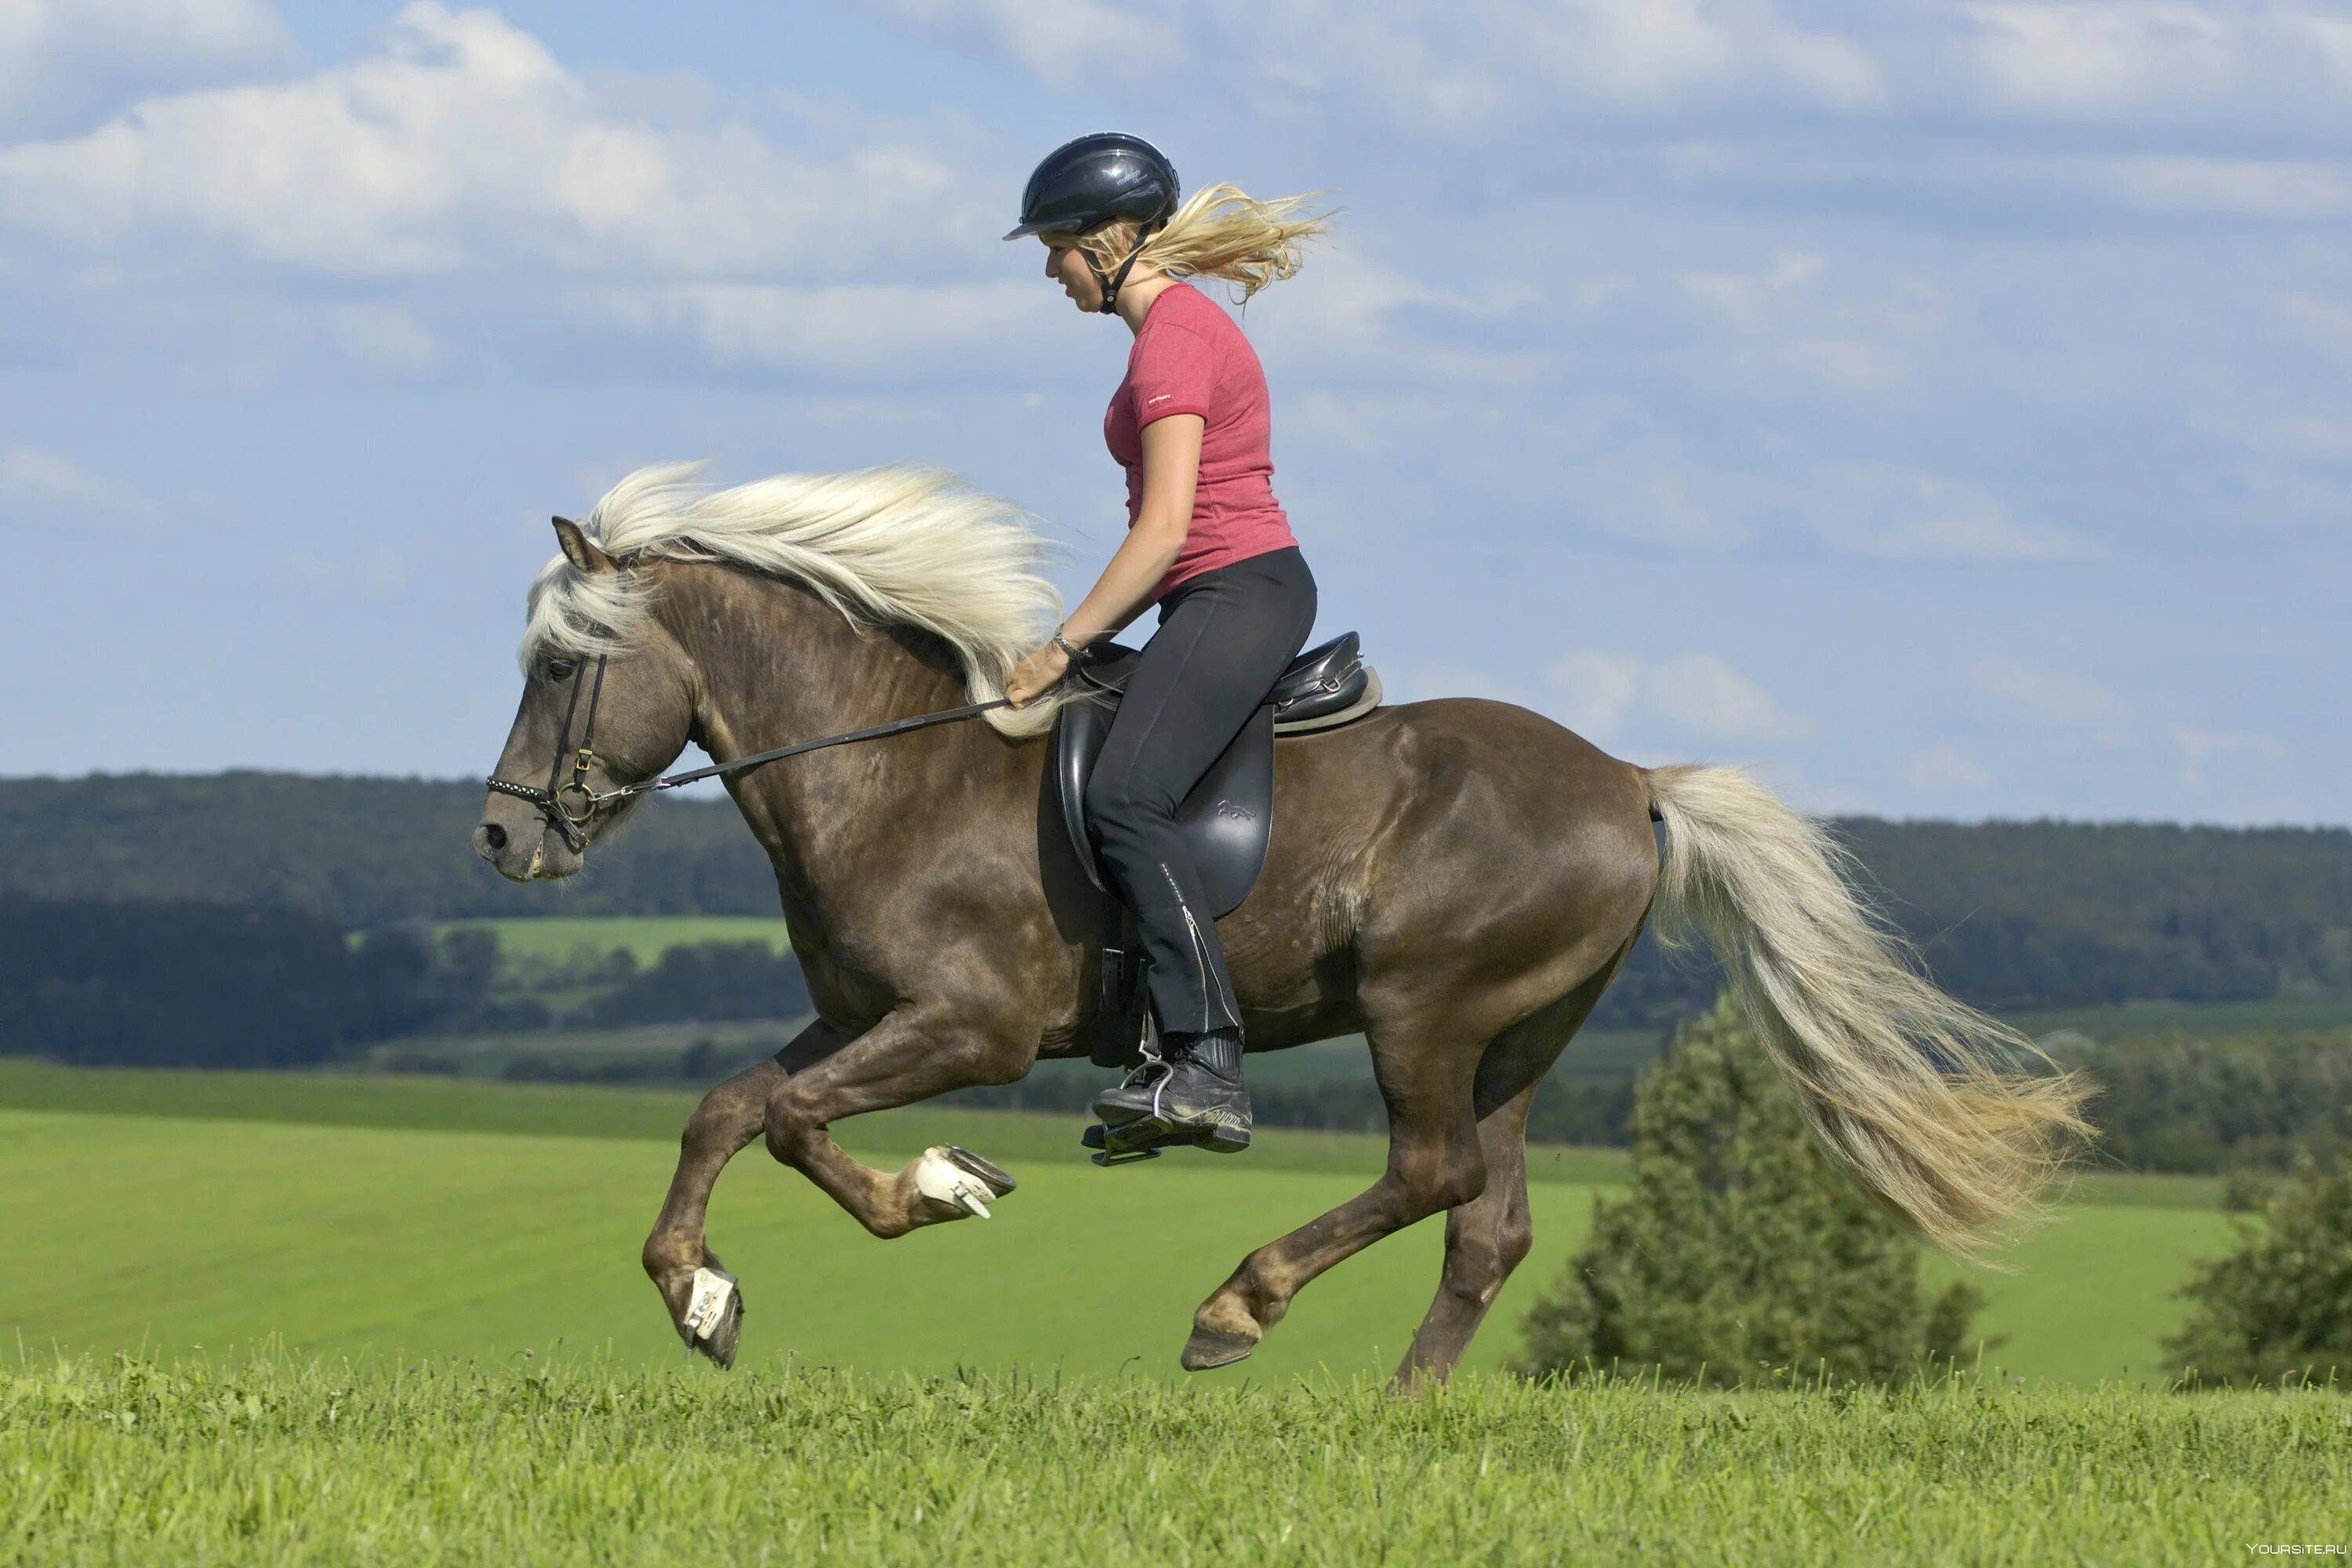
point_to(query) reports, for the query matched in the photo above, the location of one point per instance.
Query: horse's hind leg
(1488, 1236)
(1485, 1239)
(1434, 1164)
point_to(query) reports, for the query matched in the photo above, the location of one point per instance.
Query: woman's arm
(1172, 473)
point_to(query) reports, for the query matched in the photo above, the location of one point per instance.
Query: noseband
(556, 800)
(550, 800)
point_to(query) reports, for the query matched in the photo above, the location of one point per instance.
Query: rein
(554, 802)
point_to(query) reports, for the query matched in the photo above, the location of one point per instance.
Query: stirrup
(1097, 1138)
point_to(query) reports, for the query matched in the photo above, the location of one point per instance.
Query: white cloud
(2204, 753)
(2310, 315)
(1596, 691)
(1745, 299)
(2048, 696)
(1902, 514)
(461, 140)
(1694, 695)
(2158, 59)
(1653, 52)
(2093, 56)
(2243, 187)
(1843, 337)
(65, 60)
(1652, 499)
(1426, 683)
(863, 331)
(1457, 68)
(42, 488)
(1344, 326)
(1944, 768)
(1060, 41)
(384, 338)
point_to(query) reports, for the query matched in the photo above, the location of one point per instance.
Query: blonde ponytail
(1220, 232)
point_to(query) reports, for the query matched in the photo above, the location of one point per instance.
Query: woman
(1207, 542)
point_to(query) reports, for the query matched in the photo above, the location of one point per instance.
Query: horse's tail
(1914, 1092)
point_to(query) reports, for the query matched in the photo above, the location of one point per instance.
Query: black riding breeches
(1225, 637)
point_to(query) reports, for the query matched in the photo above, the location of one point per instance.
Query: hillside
(2008, 914)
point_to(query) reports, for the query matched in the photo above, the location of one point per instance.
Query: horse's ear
(582, 551)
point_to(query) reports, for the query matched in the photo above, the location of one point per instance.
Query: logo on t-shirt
(1162, 398)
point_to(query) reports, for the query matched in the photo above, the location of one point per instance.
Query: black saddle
(1226, 819)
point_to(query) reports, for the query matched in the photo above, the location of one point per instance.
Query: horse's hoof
(959, 1179)
(993, 1174)
(714, 1316)
(1210, 1348)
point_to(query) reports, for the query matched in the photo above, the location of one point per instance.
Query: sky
(1943, 408)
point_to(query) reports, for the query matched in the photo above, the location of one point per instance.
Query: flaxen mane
(901, 545)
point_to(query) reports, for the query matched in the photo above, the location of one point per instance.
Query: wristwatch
(1075, 650)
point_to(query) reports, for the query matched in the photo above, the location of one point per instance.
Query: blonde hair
(1220, 232)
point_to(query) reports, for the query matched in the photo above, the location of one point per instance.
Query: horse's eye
(561, 669)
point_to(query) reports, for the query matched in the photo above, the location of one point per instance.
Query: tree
(2280, 1308)
(1741, 1256)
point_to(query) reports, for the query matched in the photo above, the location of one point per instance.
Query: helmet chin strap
(1112, 285)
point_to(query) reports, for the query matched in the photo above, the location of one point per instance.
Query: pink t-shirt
(1189, 358)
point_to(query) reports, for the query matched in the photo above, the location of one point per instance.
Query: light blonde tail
(1914, 1092)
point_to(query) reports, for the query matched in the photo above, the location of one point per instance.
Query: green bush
(1741, 1257)
(2279, 1309)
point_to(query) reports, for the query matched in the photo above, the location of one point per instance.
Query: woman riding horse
(1208, 543)
(1457, 881)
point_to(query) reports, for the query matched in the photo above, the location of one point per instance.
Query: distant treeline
(2202, 1106)
(213, 985)
(198, 984)
(2008, 915)
(2211, 1104)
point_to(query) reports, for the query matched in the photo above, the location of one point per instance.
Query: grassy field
(284, 1461)
(646, 936)
(344, 1215)
(295, 1319)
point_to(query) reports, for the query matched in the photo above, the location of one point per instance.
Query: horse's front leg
(728, 1118)
(922, 1048)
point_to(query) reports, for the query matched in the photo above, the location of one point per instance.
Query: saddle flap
(1229, 815)
(1225, 820)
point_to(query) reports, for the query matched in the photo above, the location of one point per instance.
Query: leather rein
(557, 800)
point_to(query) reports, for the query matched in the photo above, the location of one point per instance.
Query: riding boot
(1194, 1095)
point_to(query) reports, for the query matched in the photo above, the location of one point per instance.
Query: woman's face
(1066, 265)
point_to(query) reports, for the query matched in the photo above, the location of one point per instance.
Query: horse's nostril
(494, 836)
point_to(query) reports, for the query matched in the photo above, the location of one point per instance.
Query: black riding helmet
(1095, 180)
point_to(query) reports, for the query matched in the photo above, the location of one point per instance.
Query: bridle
(550, 800)
(556, 800)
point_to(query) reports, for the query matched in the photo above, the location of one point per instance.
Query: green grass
(489, 1055)
(345, 1215)
(281, 1460)
(285, 1318)
(646, 936)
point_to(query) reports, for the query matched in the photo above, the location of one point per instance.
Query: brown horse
(1458, 880)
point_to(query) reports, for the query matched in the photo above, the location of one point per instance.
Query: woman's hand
(1035, 675)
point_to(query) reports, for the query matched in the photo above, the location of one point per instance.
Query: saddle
(1226, 819)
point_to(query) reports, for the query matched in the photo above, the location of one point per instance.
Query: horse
(1457, 881)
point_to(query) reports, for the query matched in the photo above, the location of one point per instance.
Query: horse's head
(598, 711)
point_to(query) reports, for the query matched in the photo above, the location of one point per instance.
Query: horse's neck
(776, 666)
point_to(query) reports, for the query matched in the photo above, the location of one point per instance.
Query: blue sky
(1945, 408)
